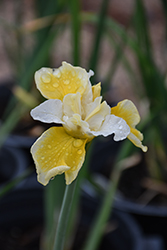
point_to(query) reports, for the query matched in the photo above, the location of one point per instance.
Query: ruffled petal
(56, 152)
(56, 83)
(113, 125)
(48, 111)
(127, 111)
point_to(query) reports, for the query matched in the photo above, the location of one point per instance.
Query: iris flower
(77, 107)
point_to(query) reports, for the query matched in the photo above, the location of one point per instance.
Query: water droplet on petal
(42, 158)
(77, 143)
(49, 146)
(120, 127)
(56, 85)
(46, 78)
(79, 151)
(66, 82)
(66, 154)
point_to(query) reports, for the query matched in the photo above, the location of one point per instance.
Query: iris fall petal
(56, 152)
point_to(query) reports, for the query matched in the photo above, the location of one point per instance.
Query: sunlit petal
(48, 111)
(56, 83)
(113, 125)
(56, 152)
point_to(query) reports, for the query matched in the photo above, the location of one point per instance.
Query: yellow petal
(96, 90)
(56, 152)
(136, 138)
(56, 83)
(128, 111)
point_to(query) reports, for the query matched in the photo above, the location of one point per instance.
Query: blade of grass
(98, 36)
(75, 23)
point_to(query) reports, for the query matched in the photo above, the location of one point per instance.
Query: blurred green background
(123, 42)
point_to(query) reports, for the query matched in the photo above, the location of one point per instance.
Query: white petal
(72, 104)
(48, 111)
(113, 125)
(95, 121)
(92, 108)
(75, 126)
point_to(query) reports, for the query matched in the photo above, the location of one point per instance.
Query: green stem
(64, 217)
(76, 26)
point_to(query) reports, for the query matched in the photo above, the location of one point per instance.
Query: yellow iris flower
(78, 107)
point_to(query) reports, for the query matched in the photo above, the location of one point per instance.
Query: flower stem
(64, 217)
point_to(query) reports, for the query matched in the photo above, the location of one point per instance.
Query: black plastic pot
(21, 209)
(151, 219)
(124, 232)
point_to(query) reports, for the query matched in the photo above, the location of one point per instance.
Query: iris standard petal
(97, 116)
(48, 111)
(56, 152)
(56, 83)
(96, 90)
(72, 104)
(113, 125)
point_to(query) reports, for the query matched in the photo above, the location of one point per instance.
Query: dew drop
(66, 82)
(49, 146)
(79, 151)
(74, 162)
(120, 127)
(66, 154)
(42, 158)
(77, 143)
(46, 78)
(56, 85)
